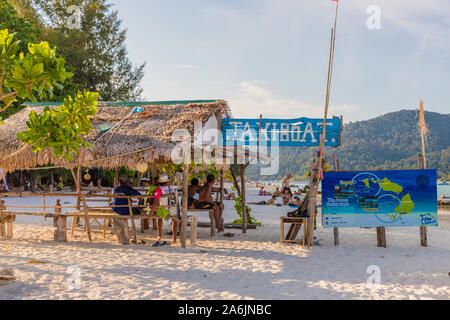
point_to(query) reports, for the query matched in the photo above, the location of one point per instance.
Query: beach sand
(248, 266)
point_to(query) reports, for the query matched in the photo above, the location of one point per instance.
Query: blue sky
(271, 56)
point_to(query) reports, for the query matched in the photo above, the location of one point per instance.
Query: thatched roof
(149, 131)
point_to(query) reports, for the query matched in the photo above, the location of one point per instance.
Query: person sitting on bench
(206, 201)
(124, 190)
(193, 189)
(301, 212)
(162, 212)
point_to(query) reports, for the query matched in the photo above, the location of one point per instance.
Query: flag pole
(314, 189)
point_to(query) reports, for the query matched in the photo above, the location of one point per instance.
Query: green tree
(26, 76)
(96, 51)
(62, 128)
(25, 30)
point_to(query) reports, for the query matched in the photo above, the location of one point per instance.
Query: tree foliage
(24, 76)
(62, 128)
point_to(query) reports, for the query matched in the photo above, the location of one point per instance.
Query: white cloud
(251, 99)
(186, 66)
(427, 20)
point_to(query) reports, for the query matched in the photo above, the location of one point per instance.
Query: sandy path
(251, 266)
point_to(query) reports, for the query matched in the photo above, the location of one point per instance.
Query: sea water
(300, 184)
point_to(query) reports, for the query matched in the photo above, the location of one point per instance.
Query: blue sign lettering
(287, 133)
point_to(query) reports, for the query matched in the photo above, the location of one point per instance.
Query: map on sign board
(379, 198)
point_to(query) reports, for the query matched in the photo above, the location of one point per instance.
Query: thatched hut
(121, 138)
(132, 138)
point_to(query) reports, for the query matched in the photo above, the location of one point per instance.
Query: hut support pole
(244, 204)
(87, 221)
(78, 183)
(77, 179)
(423, 230)
(133, 225)
(116, 178)
(184, 203)
(2, 219)
(221, 186)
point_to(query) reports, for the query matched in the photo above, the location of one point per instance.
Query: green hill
(391, 141)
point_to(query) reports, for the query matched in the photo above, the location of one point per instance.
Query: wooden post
(2, 219)
(311, 212)
(78, 183)
(121, 228)
(184, 209)
(9, 226)
(86, 215)
(154, 172)
(60, 224)
(423, 230)
(381, 237)
(221, 186)
(336, 230)
(244, 204)
(116, 178)
(194, 224)
(133, 226)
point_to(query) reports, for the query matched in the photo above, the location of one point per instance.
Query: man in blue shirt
(124, 190)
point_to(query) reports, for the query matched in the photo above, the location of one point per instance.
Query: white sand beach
(248, 266)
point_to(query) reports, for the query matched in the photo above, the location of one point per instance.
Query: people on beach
(286, 185)
(287, 198)
(441, 200)
(161, 212)
(297, 202)
(124, 189)
(262, 191)
(230, 196)
(269, 202)
(277, 192)
(206, 201)
(301, 211)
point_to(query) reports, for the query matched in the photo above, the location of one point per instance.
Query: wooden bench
(86, 213)
(211, 218)
(295, 226)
